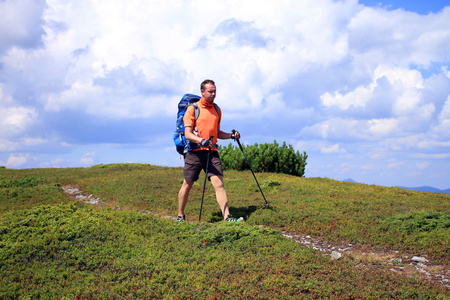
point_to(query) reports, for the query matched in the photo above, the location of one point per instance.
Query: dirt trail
(388, 260)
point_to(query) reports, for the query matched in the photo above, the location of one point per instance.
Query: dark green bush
(419, 221)
(26, 181)
(269, 158)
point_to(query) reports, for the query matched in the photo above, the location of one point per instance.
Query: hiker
(207, 125)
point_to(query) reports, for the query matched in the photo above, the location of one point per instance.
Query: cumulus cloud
(395, 164)
(333, 149)
(55, 163)
(88, 159)
(21, 24)
(369, 166)
(399, 37)
(15, 119)
(17, 160)
(238, 32)
(433, 156)
(332, 77)
(404, 82)
(444, 115)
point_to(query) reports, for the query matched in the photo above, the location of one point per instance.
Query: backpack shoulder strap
(196, 110)
(218, 110)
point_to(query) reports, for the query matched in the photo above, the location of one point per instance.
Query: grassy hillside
(54, 247)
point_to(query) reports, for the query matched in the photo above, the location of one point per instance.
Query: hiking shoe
(181, 219)
(234, 220)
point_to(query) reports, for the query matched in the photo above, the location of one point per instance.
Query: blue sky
(362, 87)
(417, 6)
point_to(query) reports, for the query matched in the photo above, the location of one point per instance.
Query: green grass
(52, 247)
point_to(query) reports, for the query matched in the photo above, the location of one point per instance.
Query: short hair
(205, 82)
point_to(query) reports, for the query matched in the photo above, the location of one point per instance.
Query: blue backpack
(179, 139)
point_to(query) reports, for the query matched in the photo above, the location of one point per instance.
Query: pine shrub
(269, 158)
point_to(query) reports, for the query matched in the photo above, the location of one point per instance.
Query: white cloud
(17, 160)
(333, 149)
(28, 31)
(406, 84)
(88, 159)
(382, 127)
(423, 165)
(16, 120)
(399, 38)
(359, 97)
(419, 142)
(56, 163)
(433, 144)
(395, 164)
(6, 145)
(432, 156)
(348, 129)
(445, 112)
(369, 166)
(340, 76)
(345, 167)
(260, 49)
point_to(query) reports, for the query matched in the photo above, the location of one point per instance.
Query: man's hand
(235, 135)
(205, 143)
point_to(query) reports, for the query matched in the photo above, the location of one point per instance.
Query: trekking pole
(240, 146)
(204, 183)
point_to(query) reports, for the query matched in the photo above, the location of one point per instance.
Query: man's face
(209, 93)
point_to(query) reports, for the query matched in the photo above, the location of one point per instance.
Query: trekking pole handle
(232, 134)
(209, 145)
(237, 140)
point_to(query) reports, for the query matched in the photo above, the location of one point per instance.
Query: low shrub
(269, 158)
(50, 249)
(76, 252)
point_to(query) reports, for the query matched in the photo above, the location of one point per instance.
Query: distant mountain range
(421, 188)
(426, 189)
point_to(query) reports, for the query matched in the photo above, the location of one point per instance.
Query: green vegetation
(269, 158)
(52, 247)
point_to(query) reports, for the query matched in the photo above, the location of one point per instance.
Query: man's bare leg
(221, 194)
(183, 196)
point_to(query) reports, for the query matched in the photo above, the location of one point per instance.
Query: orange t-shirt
(207, 124)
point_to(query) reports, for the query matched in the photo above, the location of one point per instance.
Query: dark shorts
(195, 162)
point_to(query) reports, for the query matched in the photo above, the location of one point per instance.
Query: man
(206, 125)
